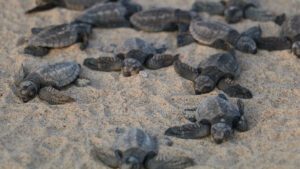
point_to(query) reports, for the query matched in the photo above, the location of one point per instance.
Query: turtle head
(131, 67)
(204, 84)
(220, 132)
(27, 90)
(246, 44)
(133, 158)
(233, 14)
(296, 49)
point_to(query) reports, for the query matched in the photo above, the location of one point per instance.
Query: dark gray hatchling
(57, 36)
(216, 115)
(46, 81)
(136, 149)
(43, 5)
(109, 15)
(130, 63)
(219, 70)
(235, 10)
(161, 19)
(289, 37)
(218, 35)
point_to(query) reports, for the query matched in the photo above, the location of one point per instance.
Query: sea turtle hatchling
(236, 10)
(57, 36)
(43, 5)
(216, 115)
(218, 35)
(136, 149)
(130, 63)
(45, 81)
(109, 15)
(289, 37)
(161, 19)
(218, 70)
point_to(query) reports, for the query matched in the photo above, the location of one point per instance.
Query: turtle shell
(57, 75)
(207, 32)
(155, 20)
(135, 138)
(290, 27)
(225, 62)
(137, 44)
(55, 36)
(105, 15)
(214, 106)
(80, 4)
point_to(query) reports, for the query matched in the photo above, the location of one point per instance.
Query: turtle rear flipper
(160, 60)
(106, 157)
(186, 71)
(106, 64)
(54, 96)
(166, 161)
(36, 51)
(189, 131)
(234, 90)
(273, 43)
(41, 8)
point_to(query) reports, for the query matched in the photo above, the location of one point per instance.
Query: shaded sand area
(37, 135)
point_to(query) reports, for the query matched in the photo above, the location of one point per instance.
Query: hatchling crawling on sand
(136, 149)
(216, 115)
(43, 5)
(289, 37)
(109, 15)
(130, 63)
(218, 70)
(161, 19)
(45, 82)
(57, 36)
(217, 35)
(236, 10)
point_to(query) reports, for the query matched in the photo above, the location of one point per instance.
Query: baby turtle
(218, 70)
(43, 5)
(57, 36)
(136, 149)
(161, 19)
(235, 10)
(289, 37)
(218, 35)
(216, 115)
(109, 15)
(45, 81)
(130, 63)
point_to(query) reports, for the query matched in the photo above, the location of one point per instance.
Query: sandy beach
(36, 135)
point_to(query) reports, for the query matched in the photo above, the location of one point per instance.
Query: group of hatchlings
(217, 116)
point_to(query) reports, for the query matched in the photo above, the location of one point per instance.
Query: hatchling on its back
(216, 115)
(43, 5)
(57, 36)
(45, 82)
(221, 36)
(288, 39)
(136, 149)
(218, 70)
(109, 15)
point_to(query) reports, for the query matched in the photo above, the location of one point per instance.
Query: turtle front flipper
(36, 51)
(40, 8)
(184, 37)
(273, 43)
(167, 161)
(186, 71)
(107, 157)
(54, 96)
(106, 64)
(212, 8)
(242, 124)
(234, 90)
(160, 60)
(190, 131)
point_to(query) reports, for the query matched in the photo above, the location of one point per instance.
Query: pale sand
(37, 135)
